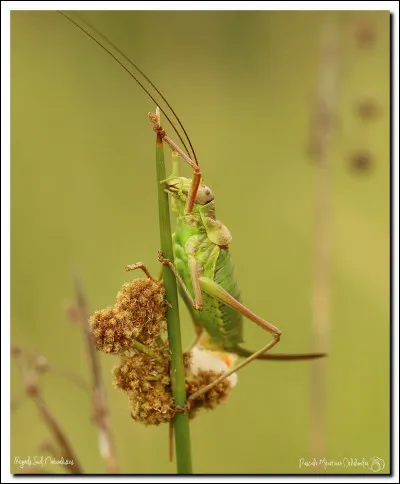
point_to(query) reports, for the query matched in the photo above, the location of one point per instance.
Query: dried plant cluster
(135, 329)
(138, 315)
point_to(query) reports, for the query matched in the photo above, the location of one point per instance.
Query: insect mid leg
(197, 301)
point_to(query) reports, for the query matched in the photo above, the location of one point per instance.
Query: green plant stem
(181, 421)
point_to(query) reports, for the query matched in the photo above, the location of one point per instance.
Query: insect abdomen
(223, 323)
(231, 325)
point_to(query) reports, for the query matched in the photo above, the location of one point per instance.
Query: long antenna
(108, 46)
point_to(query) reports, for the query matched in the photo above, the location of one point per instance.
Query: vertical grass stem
(181, 422)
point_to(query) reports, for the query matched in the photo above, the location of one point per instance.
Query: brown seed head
(113, 331)
(146, 381)
(210, 399)
(139, 314)
(143, 301)
(152, 407)
(135, 371)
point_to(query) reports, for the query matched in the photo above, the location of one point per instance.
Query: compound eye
(204, 195)
(208, 194)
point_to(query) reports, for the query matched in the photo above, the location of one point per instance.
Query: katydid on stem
(204, 269)
(202, 262)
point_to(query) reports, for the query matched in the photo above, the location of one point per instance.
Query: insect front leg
(155, 120)
(215, 290)
(141, 266)
(190, 303)
(197, 301)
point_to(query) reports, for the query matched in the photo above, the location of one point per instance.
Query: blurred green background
(83, 198)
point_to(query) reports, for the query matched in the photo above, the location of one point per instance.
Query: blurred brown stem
(100, 410)
(42, 365)
(47, 446)
(322, 130)
(30, 380)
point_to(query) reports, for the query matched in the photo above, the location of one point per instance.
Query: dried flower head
(143, 300)
(133, 328)
(112, 330)
(153, 407)
(139, 314)
(135, 371)
(146, 380)
(147, 383)
(210, 399)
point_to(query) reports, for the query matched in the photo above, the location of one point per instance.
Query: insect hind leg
(212, 288)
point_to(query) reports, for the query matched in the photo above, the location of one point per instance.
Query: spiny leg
(216, 291)
(235, 369)
(186, 296)
(197, 302)
(155, 120)
(244, 353)
(141, 266)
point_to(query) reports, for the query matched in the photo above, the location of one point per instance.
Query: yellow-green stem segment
(181, 422)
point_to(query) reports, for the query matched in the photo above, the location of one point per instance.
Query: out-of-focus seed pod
(367, 109)
(361, 161)
(365, 34)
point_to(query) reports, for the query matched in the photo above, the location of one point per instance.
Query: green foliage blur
(84, 200)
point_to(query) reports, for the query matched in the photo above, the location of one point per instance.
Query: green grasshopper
(204, 269)
(202, 262)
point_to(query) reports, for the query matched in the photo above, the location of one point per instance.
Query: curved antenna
(134, 66)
